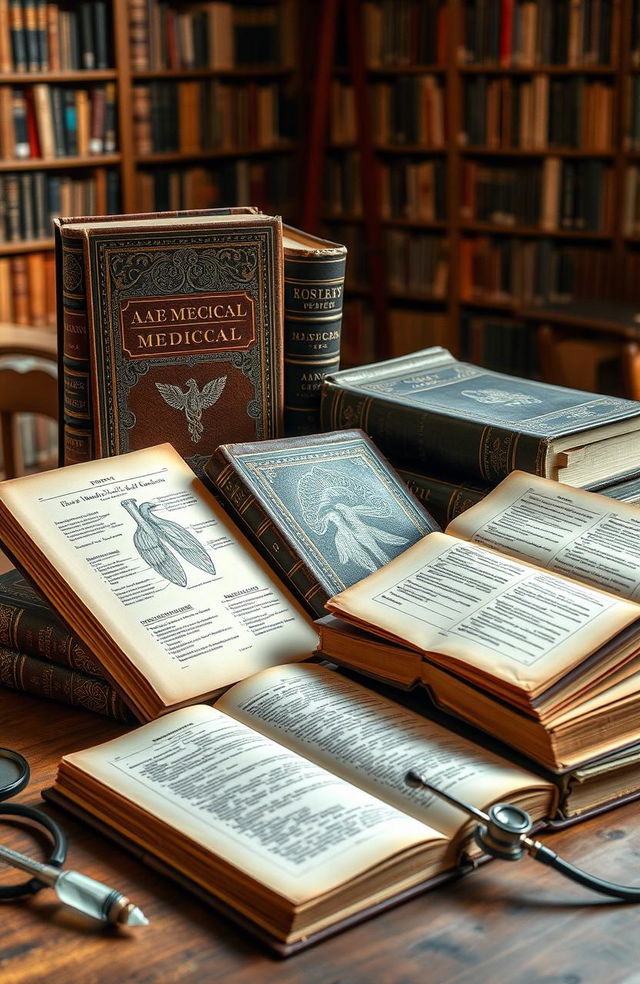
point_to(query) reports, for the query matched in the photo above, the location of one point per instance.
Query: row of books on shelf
(166, 188)
(211, 34)
(51, 121)
(405, 32)
(40, 36)
(192, 116)
(542, 271)
(30, 200)
(526, 33)
(556, 194)
(27, 289)
(538, 114)
(502, 344)
(409, 188)
(409, 110)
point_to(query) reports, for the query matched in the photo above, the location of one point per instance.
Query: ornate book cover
(449, 418)
(29, 625)
(184, 324)
(19, 671)
(325, 510)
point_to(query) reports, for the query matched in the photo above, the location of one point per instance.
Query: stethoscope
(89, 896)
(504, 831)
(14, 776)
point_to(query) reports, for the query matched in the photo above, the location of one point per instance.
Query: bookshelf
(136, 105)
(506, 144)
(120, 106)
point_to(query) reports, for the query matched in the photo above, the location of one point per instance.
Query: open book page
(373, 743)
(145, 547)
(582, 535)
(275, 816)
(454, 599)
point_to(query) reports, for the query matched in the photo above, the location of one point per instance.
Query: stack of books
(455, 430)
(518, 629)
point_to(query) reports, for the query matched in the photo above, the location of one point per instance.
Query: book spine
(444, 500)
(313, 298)
(77, 444)
(33, 676)
(251, 516)
(28, 629)
(450, 445)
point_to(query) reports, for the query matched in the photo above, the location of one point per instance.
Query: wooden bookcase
(253, 168)
(515, 66)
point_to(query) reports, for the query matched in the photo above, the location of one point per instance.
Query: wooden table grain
(505, 923)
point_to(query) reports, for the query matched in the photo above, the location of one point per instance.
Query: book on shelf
(145, 567)
(170, 326)
(324, 509)
(314, 272)
(309, 827)
(429, 410)
(522, 618)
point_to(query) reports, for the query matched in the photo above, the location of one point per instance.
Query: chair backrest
(28, 384)
(596, 363)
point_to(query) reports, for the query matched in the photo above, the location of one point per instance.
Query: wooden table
(505, 923)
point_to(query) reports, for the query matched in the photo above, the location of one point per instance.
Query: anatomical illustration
(156, 539)
(339, 504)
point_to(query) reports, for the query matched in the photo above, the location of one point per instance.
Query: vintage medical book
(146, 568)
(286, 803)
(326, 509)
(431, 413)
(314, 271)
(523, 618)
(170, 328)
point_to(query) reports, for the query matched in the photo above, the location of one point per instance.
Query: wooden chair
(592, 362)
(28, 384)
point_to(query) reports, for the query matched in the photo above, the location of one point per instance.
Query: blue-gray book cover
(326, 509)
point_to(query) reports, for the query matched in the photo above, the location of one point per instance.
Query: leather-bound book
(432, 413)
(171, 330)
(325, 510)
(314, 271)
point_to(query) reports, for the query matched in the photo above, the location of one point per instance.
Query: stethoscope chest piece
(502, 836)
(14, 773)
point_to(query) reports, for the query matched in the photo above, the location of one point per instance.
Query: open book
(145, 567)
(286, 802)
(523, 618)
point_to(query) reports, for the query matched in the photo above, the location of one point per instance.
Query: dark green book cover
(325, 509)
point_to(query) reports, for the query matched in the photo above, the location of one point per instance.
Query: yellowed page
(192, 606)
(473, 606)
(282, 820)
(580, 534)
(372, 742)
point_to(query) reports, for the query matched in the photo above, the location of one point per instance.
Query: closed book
(18, 671)
(171, 328)
(29, 625)
(431, 412)
(325, 509)
(314, 272)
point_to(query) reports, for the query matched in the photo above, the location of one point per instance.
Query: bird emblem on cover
(194, 402)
